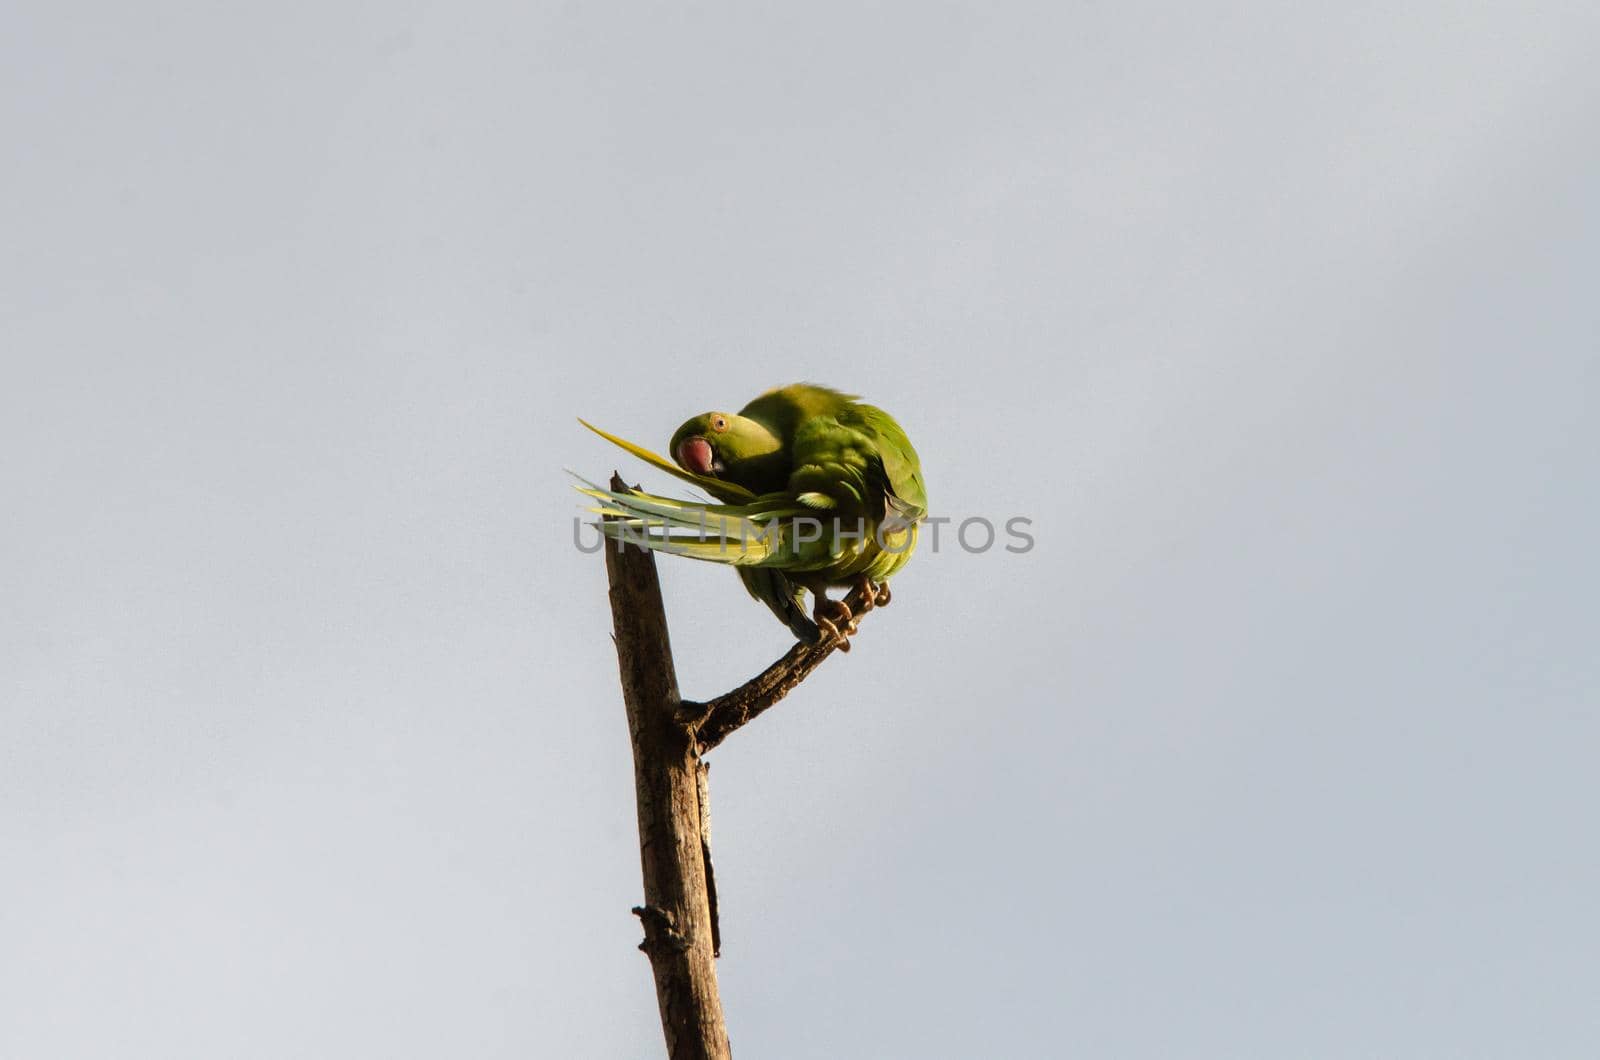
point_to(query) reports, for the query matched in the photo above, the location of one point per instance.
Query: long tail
(738, 534)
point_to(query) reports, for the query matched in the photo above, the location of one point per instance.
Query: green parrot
(818, 491)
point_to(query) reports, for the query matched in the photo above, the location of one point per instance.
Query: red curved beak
(695, 455)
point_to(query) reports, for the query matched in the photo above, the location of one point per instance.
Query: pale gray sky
(1280, 322)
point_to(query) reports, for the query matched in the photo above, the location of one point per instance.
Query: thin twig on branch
(715, 720)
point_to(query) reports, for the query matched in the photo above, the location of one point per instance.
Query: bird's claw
(873, 594)
(835, 618)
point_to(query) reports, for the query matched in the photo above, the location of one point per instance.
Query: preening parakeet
(818, 491)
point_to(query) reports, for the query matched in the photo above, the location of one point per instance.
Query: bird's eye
(719, 423)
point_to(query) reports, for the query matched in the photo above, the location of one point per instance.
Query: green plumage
(818, 490)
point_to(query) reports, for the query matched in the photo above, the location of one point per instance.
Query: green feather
(819, 490)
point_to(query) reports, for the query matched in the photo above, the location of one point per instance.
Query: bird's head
(715, 443)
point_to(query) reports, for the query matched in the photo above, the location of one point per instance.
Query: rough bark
(676, 913)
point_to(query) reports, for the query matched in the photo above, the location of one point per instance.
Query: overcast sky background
(1280, 323)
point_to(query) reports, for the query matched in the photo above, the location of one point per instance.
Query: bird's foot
(868, 590)
(835, 619)
(873, 594)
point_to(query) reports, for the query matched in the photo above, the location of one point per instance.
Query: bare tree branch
(679, 915)
(676, 915)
